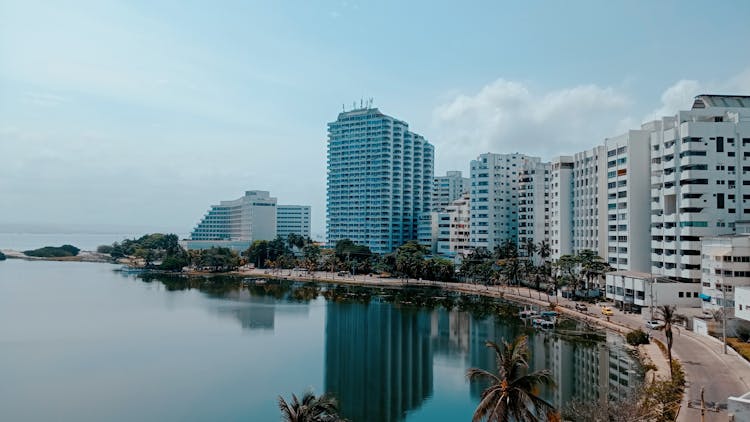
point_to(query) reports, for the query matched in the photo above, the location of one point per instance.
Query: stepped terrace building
(380, 178)
(236, 223)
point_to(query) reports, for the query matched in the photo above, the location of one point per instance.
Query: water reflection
(378, 359)
(380, 345)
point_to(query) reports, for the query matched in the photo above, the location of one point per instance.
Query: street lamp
(724, 313)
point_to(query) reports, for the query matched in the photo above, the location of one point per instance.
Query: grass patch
(740, 346)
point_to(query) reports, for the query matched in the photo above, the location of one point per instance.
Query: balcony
(693, 202)
(689, 160)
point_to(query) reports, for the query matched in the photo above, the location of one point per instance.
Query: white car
(654, 325)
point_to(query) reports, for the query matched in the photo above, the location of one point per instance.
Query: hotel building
(380, 178)
(237, 223)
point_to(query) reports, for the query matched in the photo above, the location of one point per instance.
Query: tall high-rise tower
(380, 179)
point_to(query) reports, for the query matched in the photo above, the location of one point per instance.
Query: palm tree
(669, 316)
(510, 395)
(511, 271)
(310, 408)
(530, 248)
(544, 250)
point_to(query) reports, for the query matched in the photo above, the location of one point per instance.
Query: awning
(705, 297)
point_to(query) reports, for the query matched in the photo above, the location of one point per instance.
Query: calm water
(80, 342)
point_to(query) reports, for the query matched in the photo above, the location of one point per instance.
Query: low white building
(635, 290)
(292, 219)
(459, 232)
(742, 303)
(725, 266)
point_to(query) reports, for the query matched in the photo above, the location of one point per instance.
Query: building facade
(628, 215)
(448, 188)
(380, 178)
(699, 182)
(725, 267)
(589, 209)
(494, 198)
(533, 204)
(561, 207)
(236, 223)
(293, 219)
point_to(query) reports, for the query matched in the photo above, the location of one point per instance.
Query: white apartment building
(725, 266)
(494, 198)
(448, 188)
(533, 203)
(700, 180)
(433, 226)
(589, 207)
(628, 214)
(636, 290)
(236, 223)
(433, 231)
(460, 227)
(292, 219)
(561, 207)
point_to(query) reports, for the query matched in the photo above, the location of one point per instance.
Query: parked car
(654, 325)
(606, 310)
(581, 307)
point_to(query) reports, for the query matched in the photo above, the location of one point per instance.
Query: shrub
(636, 337)
(740, 346)
(70, 248)
(743, 333)
(105, 249)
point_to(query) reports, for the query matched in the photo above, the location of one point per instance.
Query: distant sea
(25, 238)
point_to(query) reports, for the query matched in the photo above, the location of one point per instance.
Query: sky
(143, 114)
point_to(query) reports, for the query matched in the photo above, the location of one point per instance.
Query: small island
(53, 251)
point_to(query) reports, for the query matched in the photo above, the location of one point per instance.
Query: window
(720, 200)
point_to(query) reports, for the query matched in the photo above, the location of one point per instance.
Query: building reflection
(378, 359)
(257, 312)
(581, 370)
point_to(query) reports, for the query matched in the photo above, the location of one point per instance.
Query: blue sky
(143, 113)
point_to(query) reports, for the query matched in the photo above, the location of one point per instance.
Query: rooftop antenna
(369, 105)
(343, 107)
(360, 103)
(354, 105)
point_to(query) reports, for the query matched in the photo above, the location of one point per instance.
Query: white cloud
(508, 116)
(680, 95)
(677, 97)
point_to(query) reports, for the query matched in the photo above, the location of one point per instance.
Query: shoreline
(495, 292)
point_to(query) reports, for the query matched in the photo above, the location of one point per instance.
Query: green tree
(2, 256)
(257, 253)
(510, 395)
(530, 248)
(309, 409)
(311, 255)
(410, 259)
